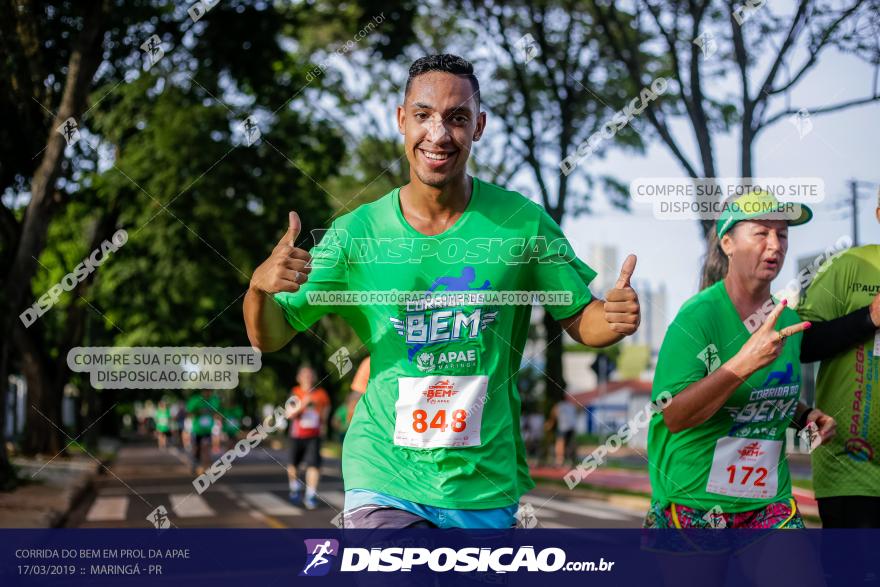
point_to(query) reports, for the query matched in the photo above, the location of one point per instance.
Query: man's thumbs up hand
(622, 311)
(294, 228)
(287, 267)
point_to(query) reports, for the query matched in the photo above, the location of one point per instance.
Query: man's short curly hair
(444, 62)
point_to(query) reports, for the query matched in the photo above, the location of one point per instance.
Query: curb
(52, 493)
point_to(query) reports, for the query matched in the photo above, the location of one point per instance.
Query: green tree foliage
(163, 155)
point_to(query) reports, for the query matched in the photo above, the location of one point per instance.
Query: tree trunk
(42, 431)
(7, 473)
(49, 377)
(715, 263)
(84, 60)
(88, 414)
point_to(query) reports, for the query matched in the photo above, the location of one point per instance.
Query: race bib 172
(745, 467)
(440, 411)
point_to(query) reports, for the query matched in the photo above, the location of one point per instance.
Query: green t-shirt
(163, 420)
(232, 419)
(202, 412)
(736, 459)
(439, 422)
(849, 464)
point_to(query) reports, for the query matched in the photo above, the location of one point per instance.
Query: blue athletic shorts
(370, 509)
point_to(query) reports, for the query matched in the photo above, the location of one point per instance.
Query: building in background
(610, 408)
(606, 262)
(16, 404)
(655, 318)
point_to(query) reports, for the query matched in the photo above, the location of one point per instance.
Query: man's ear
(401, 118)
(481, 126)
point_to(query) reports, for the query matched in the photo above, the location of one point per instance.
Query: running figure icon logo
(341, 359)
(159, 518)
(319, 556)
(715, 518)
(68, 129)
(710, 357)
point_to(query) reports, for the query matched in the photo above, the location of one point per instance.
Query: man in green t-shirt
(202, 408)
(846, 473)
(436, 441)
(232, 415)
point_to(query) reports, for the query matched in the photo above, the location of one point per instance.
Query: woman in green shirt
(730, 360)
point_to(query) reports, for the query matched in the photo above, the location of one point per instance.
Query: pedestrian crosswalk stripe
(271, 504)
(581, 508)
(108, 509)
(190, 506)
(149, 489)
(545, 513)
(592, 505)
(553, 525)
(335, 499)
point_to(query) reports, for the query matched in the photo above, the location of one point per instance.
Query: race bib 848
(440, 411)
(745, 467)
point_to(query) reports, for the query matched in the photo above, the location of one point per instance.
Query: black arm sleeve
(826, 339)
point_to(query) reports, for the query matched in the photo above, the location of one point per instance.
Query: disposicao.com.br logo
(444, 559)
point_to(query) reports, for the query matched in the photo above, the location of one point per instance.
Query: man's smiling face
(439, 120)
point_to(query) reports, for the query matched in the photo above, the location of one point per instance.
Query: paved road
(253, 494)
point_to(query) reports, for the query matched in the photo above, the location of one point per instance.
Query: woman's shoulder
(702, 305)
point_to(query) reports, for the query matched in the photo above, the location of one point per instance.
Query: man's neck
(431, 210)
(746, 294)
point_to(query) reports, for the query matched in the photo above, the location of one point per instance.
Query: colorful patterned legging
(781, 514)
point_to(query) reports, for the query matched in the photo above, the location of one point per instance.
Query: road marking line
(178, 454)
(579, 508)
(266, 519)
(148, 489)
(108, 509)
(336, 499)
(543, 513)
(552, 525)
(593, 504)
(271, 504)
(191, 506)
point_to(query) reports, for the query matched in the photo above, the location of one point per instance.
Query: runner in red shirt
(308, 421)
